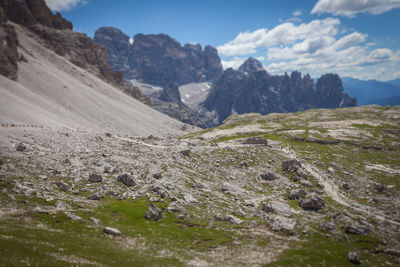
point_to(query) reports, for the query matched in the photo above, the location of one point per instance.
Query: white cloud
(247, 43)
(350, 8)
(350, 40)
(297, 13)
(63, 5)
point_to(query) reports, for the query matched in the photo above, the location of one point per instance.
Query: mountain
(55, 78)
(252, 89)
(367, 91)
(159, 59)
(390, 101)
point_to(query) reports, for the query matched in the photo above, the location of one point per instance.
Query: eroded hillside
(282, 189)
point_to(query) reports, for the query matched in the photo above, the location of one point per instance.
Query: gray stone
(175, 207)
(278, 207)
(95, 178)
(302, 174)
(380, 188)
(2, 160)
(269, 176)
(94, 220)
(63, 186)
(180, 216)
(157, 176)
(356, 229)
(306, 183)
(126, 179)
(189, 198)
(73, 217)
(291, 165)
(111, 231)
(346, 186)
(21, 147)
(96, 196)
(297, 194)
(281, 223)
(354, 257)
(232, 219)
(185, 152)
(312, 201)
(255, 141)
(153, 213)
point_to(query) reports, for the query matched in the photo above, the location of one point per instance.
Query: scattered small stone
(126, 179)
(157, 176)
(94, 220)
(291, 165)
(331, 170)
(175, 207)
(154, 199)
(180, 216)
(185, 152)
(380, 188)
(63, 186)
(328, 227)
(197, 185)
(232, 219)
(306, 183)
(346, 186)
(107, 169)
(356, 229)
(297, 194)
(21, 147)
(111, 231)
(153, 213)
(2, 161)
(312, 201)
(354, 257)
(72, 217)
(302, 174)
(319, 192)
(108, 134)
(96, 196)
(255, 141)
(189, 198)
(244, 164)
(269, 176)
(95, 178)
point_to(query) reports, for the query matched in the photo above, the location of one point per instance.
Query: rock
(255, 141)
(197, 185)
(302, 174)
(72, 217)
(153, 213)
(107, 169)
(185, 152)
(232, 219)
(175, 207)
(94, 220)
(2, 160)
(306, 183)
(354, 257)
(111, 231)
(312, 201)
(126, 179)
(63, 186)
(278, 207)
(157, 176)
(154, 199)
(96, 196)
(244, 164)
(380, 188)
(392, 252)
(180, 216)
(108, 135)
(328, 227)
(297, 194)
(281, 223)
(189, 198)
(356, 229)
(62, 206)
(21, 147)
(95, 178)
(269, 176)
(346, 186)
(291, 165)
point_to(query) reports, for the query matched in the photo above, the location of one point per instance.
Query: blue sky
(350, 37)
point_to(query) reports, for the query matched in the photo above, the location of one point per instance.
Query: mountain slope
(51, 91)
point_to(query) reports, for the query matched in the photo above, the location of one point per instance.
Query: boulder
(278, 207)
(380, 188)
(96, 196)
(126, 179)
(354, 257)
(157, 176)
(297, 194)
(153, 213)
(232, 219)
(312, 201)
(281, 223)
(306, 183)
(269, 176)
(291, 165)
(255, 141)
(356, 228)
(95, 178)
(21, 147)
(189, 198)
(63, 186)
(185, 152)
(111, 231)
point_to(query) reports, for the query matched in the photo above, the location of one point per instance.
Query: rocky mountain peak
(251, 65)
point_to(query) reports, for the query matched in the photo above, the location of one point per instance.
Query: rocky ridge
(252, 89)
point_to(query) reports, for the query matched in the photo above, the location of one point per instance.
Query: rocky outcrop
(30, 12)
(57, 35)
(8, 48)
(252, 89)
(159, 59)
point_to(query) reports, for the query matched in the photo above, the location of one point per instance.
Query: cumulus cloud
(63, 5)
(297, 13)
(350, 8)
(286, 33)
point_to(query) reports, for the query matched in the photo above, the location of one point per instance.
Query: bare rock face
(8, 48)
(252, 89)
(159, 59)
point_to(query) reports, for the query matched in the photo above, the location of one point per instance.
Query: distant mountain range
(188, 83)
(373, 91)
